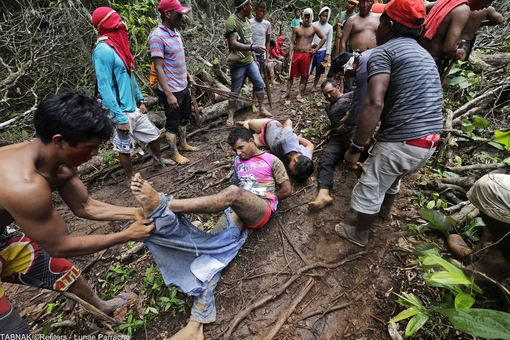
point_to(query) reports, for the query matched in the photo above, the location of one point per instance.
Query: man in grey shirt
(261, 29)
(404, 93)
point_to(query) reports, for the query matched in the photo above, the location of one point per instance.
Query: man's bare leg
(323, 199)
(249, 207)
(232, 106)
(290, 81)
(254, 124)
(193, 331)
(254, 107)
(82, 289)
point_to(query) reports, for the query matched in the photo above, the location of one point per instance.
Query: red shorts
(300, 64)
(263, 220)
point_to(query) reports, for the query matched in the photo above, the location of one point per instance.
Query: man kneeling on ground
(197, 256)
(293, 150)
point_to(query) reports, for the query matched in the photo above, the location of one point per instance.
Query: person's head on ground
(401, 18)
(297, 13)
(307, 17)
(331, 90)
(364, 7)
(73, 119)
(301, 167)
(351, 6)
(172, 13)
(242, 142)
(324, 15)
(243, 7)
(260, 11)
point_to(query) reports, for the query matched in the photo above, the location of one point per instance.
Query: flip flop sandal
(126, 296)
(341, 232)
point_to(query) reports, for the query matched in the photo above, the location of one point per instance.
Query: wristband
(141, 101)
(355, 148)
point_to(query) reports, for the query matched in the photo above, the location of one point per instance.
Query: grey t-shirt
(282, 140)
(260, 29)
(413, 100)
(361, 88)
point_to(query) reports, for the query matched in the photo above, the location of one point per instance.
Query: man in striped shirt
(167, 52)
(404, 93)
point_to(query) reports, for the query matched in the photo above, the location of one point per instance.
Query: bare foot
(245, 123)
(144, 193)
(320, 202)
(265, 113)
(230, 122)
(350, 233)
(193, 331)
(117, 302)
(179, 158)
(285, 95)
(254, 109)
(187, 147)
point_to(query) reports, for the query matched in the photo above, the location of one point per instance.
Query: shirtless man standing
(485, 17)
(443, 26)
(359, 31)
(300, 51)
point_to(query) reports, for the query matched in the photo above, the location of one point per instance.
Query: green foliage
(458, 296)
(161, 297)
(116, 277)
(464, 78)
(109, 158)
(473, 229)
(131, 325)
(314, 131)
(438, 221)
(503, 137)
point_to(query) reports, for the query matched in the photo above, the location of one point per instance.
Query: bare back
(443, 43)
(360, 32)
(475, 21)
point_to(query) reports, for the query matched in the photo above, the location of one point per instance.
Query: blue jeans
(190, 258)
(261, 59)
(239, 73)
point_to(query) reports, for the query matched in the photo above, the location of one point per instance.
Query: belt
(426, 142)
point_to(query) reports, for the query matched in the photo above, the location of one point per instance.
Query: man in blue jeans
(240, 60)
(197, 257)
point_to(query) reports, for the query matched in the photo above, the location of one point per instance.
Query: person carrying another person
(167, 52)
(69, 128)
(116, 82)
(197, 257)
(294, 151)
(491, 256)
(261, 29)
(240, 59)
(359, 34)
(343, 125)
(442, 28)
(301, 51)
(296, 21)
(404, 93)
(322, 55)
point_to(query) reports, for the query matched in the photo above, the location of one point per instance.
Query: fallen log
(472, 167)
(495, 60)
(478, 101)
(474, 111)
(465, 182)
(220, 75)
(220, 109)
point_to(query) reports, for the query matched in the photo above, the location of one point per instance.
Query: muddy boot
(254, 107)
(458, 246)
(183, 143)
(174, 153)
(271, 76)
(263, 110)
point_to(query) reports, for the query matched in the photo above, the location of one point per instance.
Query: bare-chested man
(197, 257)
(69, 129)
(443, 27)
(484, 17)
(301, 51)
(359, 32)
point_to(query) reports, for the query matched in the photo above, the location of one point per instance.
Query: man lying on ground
(295, 151)
(197, 257)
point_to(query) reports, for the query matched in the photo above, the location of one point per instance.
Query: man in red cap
(167, 52)
(402, 77)
(443, 26)
(117, 85)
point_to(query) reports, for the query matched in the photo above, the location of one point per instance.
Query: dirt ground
(295, 270)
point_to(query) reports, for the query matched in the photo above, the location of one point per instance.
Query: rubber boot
(174, 153)
(271, 76)
(263, 110)
(183, 143)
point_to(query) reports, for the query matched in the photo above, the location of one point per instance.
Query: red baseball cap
(410, 13)
(172, 5)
